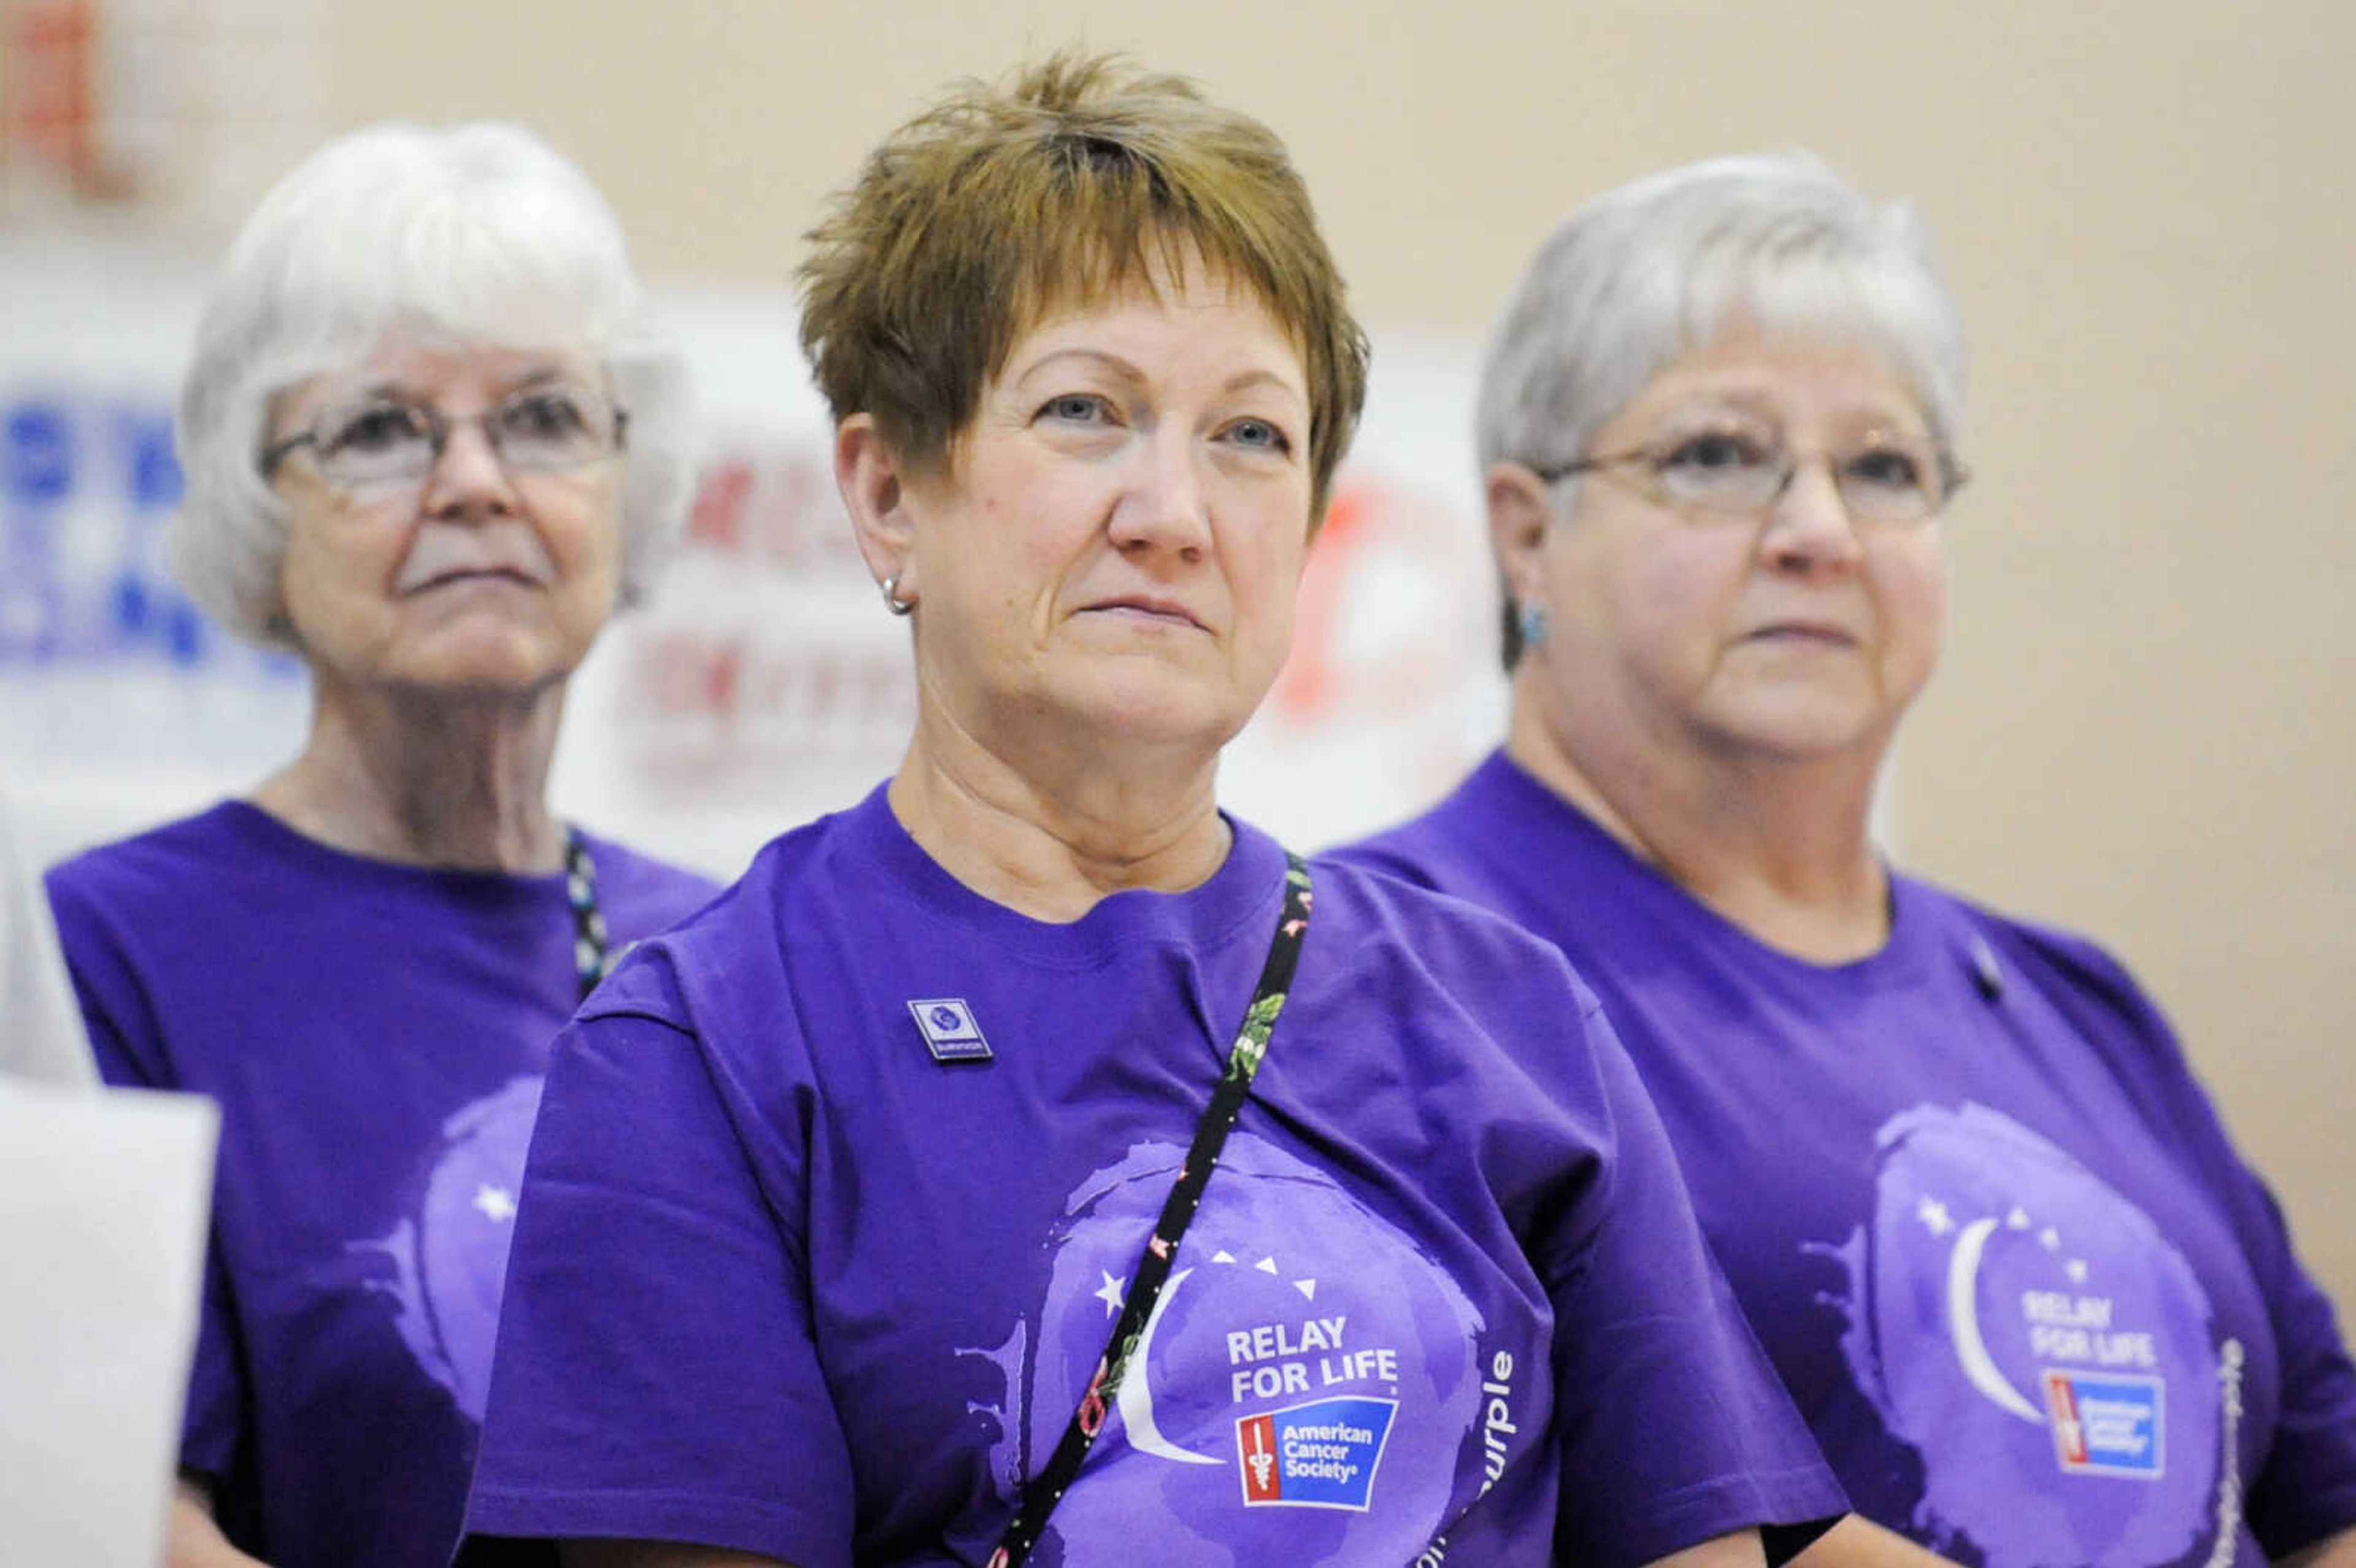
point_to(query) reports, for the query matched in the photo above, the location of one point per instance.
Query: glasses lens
(375, 442)
(554, 428)
(1893, 482)
(1720, 471)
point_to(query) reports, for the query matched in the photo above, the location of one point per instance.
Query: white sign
(103, 1200)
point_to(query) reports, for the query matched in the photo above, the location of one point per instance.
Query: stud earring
(1530, 620)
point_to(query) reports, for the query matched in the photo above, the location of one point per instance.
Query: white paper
(40, 1027)
(104, 1198)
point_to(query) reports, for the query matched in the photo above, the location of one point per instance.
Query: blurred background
(2142, 726)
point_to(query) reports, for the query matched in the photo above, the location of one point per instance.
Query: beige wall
(2142, 728)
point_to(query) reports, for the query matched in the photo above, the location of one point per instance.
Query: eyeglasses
(1890, 481)
(379, 441)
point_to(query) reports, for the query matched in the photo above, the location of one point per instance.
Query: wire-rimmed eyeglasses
(1885, 480)
(546, 429)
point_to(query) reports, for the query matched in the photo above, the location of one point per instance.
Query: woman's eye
(375, 430)
(1888, 469)
(544, 414)
(1716, 452)
(1257, 435)
(1076, 408)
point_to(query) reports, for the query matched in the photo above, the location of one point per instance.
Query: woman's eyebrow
(1103, 359)
(1245, 380)
(539, 376)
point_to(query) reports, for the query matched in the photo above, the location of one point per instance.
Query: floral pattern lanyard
(592, 949)
(1047, 1488)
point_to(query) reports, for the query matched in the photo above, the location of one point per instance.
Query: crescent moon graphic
(1964, 1324)
(1135, 1400)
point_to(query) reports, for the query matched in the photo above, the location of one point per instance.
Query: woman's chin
(487, 669)
(1805, 731)
(1164, 710)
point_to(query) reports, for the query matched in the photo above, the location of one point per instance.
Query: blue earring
(1530, 620)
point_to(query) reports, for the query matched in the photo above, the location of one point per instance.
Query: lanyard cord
(1047, 1488)
(592, 954)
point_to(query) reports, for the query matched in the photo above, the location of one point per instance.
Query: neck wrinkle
(1053, 847)
(426, 778)
(1779, 849)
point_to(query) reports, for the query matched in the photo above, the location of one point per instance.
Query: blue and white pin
(949, 1030)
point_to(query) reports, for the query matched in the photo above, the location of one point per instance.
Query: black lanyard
(1047, 1488)
(591, 948)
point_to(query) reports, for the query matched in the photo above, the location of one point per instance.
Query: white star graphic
(2049, 1239)
(1110, 1293)
(495, 1203)
(1266, 1265)
(2076, 1269)
(1934, 1215)
(2017, 1219)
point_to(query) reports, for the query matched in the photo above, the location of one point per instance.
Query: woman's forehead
(1784, 371)
(1202, 314)
(424, 361)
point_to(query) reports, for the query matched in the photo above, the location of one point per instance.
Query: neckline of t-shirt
(1245, 888)
(1912, 943)
(272, 835)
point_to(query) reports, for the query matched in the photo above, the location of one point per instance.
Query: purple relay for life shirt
(838, 1187)
(2034, 1306)
(376, 1035)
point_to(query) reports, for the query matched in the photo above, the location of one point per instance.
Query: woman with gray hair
(429, 445)
(1983, 1218)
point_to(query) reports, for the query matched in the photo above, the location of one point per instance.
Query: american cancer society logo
(2105, 1425)
(1321, 1455)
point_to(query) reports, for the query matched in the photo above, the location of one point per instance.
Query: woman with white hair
(430, 445)
(1976, 1205)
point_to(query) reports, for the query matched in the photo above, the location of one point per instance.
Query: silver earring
(891, 600)
(1530, 620)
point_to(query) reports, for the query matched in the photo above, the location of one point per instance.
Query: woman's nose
(469, 478)
(1166, 507)
(1810, 521)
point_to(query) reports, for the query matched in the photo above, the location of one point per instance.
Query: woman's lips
(1156, 610)
(461, 577)
(1808, 633)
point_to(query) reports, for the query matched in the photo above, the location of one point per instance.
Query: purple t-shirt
(376, 1035)
(788, 1283)
(1978, 1208)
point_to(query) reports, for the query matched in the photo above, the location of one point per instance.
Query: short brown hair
(1002, 203)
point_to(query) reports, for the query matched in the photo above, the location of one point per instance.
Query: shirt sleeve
(2306, 1490)
(127, 1042)
(657, 1375)
(1674, 1427)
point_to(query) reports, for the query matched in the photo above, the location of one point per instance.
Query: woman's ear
(1519, 510)
(871, 478)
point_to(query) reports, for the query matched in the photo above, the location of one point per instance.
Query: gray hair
(1644, 275)
(477, 232)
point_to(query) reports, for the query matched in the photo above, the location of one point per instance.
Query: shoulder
(153, 875)
(2078, 974)
(722, 953)
(1444, 846)
(645, 892)
(1417, 851)
(1386, 921)
(159, 856)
